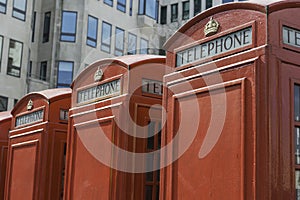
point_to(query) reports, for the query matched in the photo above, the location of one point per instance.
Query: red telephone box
(237, 79)
(5, 123)
(111, 103)
(37, 143)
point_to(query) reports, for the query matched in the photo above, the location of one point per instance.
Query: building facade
(44, 44)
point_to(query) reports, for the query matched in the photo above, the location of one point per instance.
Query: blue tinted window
(92, 31)
(65, 74)
(19, 9)
(130, 9)
(3, 6)
(121, 5)
(108, 2)
(148, 7)
(119, 42)
(68, 26)
(106, 37)
(227, 1)
(143, 46)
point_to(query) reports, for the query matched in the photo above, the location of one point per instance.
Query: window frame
(21, 58)
(4, 5)
(46, 35)
(141, 49)
(142, 9)
(121, 6)
(63, 84)
(173, 18)
(5, 106)
(135, 49)
(117, 49)
(184, 11)
(165, 15)
(88, 38)
(17, 10)
(43, 64)
(198, 3)
(65, 33)
(102, 39)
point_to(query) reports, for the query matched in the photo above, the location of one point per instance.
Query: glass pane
(158, 175)
(19, 15)
(108, 2)
(185, 10)
(297, 184)
(227, 1)
(297, 102)
(149, 176)
(142, 7)
(65, 73)
(46, 27)
(3, 6)
(119, 43)
(297, 145)
(92, 31)
(163, 15)
(20, 4)
(106, 33)
(144, 46)
(208, 4)
(150, 139)
(43, 71)
(157, 192)
(148, 192)
(132, 43)
(3, 103)
(69, 22)
(14, 58)
(197, 7)
(151, 8)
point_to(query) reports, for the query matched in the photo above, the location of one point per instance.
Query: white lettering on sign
(102, 91)
(291, 36)
(64, 115)
(30, 118)
(215, 47)
(152, 86)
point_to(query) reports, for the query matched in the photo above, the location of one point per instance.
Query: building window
(208, 4)
(163, 15)
(143, 46)
(3, 103)
(121, 5)
(68, 26)
(109, 2)
(119, 42)
(197, 7)
(33, 26)
(92, 31)
(1, 47)
(174, 12)
(14, 58)
(227, 1)
(29, 71)
(132, 40)
(19, 9)
(43, 71)
(106, 37)
(65, 74)
(148, 7)
(185, 10)
(130, 7)
(152, 178)
(46, 32)
(3, 6)
(15, 101)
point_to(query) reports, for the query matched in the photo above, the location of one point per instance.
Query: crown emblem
(211, 27)
(98, 75)
(30, 105)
